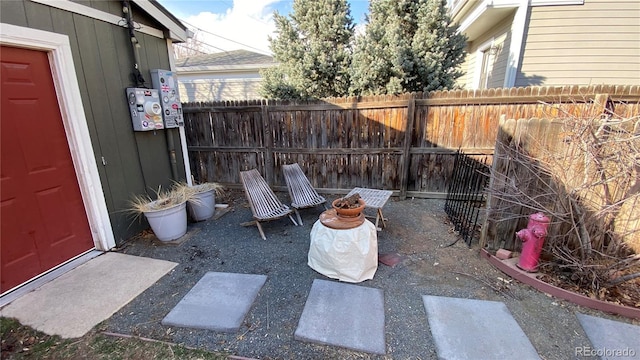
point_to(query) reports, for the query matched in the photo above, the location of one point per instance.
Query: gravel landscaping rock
(417, 230)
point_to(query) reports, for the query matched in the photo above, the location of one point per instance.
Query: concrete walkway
(75, 302)
(353, 317)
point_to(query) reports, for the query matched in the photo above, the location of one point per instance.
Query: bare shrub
(584, 173)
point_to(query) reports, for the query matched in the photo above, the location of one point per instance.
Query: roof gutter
(214, 68)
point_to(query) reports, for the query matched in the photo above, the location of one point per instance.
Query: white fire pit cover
(347, 255)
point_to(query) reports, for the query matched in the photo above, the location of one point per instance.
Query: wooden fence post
(268, 144)
(604, 105)
(406, 152)
(488, 223)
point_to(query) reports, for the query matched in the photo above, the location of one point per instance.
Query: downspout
(171, 146)
(517, 42)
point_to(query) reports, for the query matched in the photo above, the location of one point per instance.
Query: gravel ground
(417, 229)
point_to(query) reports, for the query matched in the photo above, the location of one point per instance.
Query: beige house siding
(466, 80)
(228, 75)
(500, 37)
(594, 43)
(207, 87)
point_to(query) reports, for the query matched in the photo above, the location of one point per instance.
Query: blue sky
(226, 25)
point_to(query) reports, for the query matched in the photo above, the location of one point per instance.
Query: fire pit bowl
(350, 211)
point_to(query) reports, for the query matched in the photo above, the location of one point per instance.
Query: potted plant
(201, 199)
(167, 214)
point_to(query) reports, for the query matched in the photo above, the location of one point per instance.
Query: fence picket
(332, 137)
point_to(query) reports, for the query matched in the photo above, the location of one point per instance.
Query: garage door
(43, 219)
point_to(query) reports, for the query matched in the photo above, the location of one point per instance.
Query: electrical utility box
(145, 109)
(166, 83)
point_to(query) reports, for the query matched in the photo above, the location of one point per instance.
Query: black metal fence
(465, 195)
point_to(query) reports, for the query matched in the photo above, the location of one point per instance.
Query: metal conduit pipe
(140, 82)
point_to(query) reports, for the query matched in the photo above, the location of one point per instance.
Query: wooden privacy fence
(553, 164)
(404, 143)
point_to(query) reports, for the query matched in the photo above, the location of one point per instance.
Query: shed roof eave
(177, 32)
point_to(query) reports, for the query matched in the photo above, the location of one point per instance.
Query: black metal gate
(465, 196)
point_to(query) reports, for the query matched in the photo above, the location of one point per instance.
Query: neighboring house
(70, 158)
(516, 43)
(231, 75)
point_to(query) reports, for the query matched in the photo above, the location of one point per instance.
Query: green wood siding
(136, 162)
(13, 12)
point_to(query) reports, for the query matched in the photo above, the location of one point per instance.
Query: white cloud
(249, 22)
(360, 29)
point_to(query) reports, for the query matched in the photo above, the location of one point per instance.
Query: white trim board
(556, 2)
(517, 41)
(484, 6)
(75, 124)
(98, 15)
(175, 31)
(183, 135)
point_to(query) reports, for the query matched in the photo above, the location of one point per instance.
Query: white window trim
(479, 57)
(75, 124)
(458, 5)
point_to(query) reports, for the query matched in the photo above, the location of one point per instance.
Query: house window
(485, 69)
(452, 4)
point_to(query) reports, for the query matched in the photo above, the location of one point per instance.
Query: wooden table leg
(381, 218)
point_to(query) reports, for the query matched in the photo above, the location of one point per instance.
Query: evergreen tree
(409, 45)
(312, 50)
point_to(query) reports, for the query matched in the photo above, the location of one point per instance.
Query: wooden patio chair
(302, 194)
(265, 205)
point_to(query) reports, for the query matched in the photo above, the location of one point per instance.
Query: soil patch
(626, 294)
(23, 342)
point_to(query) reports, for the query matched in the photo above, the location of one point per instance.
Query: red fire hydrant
(532, 241)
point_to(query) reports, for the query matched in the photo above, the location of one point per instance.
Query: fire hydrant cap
(540, 217)
(522, 234)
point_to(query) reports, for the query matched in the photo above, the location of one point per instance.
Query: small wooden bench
(264, 204)
(302, 193)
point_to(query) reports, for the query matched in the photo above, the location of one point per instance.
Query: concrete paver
(610, 339)
(475, 329)
(219, 301)
(349, 316)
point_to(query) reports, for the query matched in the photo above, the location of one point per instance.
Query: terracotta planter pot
(353, 212)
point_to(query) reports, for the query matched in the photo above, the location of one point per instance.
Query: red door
(43, 220)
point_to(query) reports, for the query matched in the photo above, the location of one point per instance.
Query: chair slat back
(263, 201)
(300, 189)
